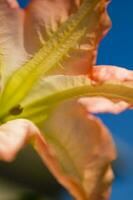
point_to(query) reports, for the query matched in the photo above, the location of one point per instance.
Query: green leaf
(52, 53)
(54, 89)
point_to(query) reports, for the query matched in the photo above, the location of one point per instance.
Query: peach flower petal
(84, 150)
(39, 25)
(105, 73)
(13, 3)
(76, 147)
(11, 37)
(28, 30)
(103, 105)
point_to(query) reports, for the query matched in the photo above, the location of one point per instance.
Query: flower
(48, 73)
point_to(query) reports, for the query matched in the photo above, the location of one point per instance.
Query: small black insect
(17, 110)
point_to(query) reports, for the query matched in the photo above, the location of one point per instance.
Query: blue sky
(116, 49)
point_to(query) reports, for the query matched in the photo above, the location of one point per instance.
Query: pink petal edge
(13, 4)
(103, 73)
(103, 105)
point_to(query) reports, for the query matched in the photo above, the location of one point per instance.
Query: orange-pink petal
(83, 148)
(24, 32)
(105, 73)
(13, 3)
(11, 37)
(76, 147)
(103, 105)
(42, 18)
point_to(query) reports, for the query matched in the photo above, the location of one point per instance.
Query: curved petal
(44, 17)
(103, 105)
(39, 20)
(105, 73)
(11, 36)
(84, 150)
(13, 136)
(78, 151)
